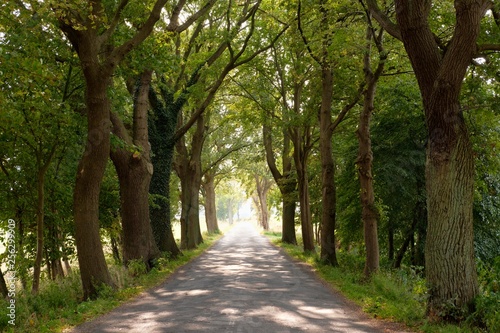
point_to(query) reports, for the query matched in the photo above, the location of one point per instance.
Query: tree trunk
(188, 167)
(365, 155)
(390, 241)
(230, 211)
(300, 157)
(134, 170)
(328, 192)
(39, 230)
(161, 133)
(449, 253)
(288, 222)
(285, 181)
(93, 268)
(262, 187)
(3, 286)
(210, 204)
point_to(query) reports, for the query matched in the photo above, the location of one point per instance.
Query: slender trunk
(230, 211)
(210, 204)
(328, 193)
(390, 241)
(39, 233)
(67, 266)
(20, 245)
(43, 166)
(262, 187)
(305, 207)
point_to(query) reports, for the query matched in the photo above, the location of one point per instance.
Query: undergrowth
(59, 304)
(400, 295)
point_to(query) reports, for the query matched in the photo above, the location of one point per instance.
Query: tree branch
(384, 21)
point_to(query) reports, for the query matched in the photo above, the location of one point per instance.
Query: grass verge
(393, 295)
(58, 306)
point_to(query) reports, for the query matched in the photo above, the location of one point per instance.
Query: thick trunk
(288, 222)
(449, 251)
(188, 169)
(210, 204)
(160, 186)
(93, 268)
(134, 170)
(190, 214)
(134, 176)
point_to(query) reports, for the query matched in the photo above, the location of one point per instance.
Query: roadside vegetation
(400, 295)
(59, 305)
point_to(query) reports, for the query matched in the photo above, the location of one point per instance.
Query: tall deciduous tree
(91, 28)
(323, 57)
(369, 213)
(440, 68)
(134, 169)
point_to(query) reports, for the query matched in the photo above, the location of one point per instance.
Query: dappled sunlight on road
(241, 284)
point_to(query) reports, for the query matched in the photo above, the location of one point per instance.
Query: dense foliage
(251, 71)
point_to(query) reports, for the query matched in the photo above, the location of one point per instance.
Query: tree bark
(286, 183)
(210, 204)
(188, 167)
(365, 155)
(449, 254)
(134, 170)
(161, 133)
(328, 187)
(98, 60)
(300, 156)
(262, 188)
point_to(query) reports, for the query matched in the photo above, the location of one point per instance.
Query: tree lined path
(241, 284)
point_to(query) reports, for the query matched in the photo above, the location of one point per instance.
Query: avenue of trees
(369, 126)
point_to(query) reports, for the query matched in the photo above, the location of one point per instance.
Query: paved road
(242, 284)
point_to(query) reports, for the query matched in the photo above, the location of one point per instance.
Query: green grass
(58, 305)
(394, 295)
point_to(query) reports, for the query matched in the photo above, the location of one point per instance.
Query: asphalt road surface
(241, 284)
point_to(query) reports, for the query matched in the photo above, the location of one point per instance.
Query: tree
(36, 99)
(322, 55)
(212, 63)
(365, 155)
(131, 157)
(440, 68)
(91, 27)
